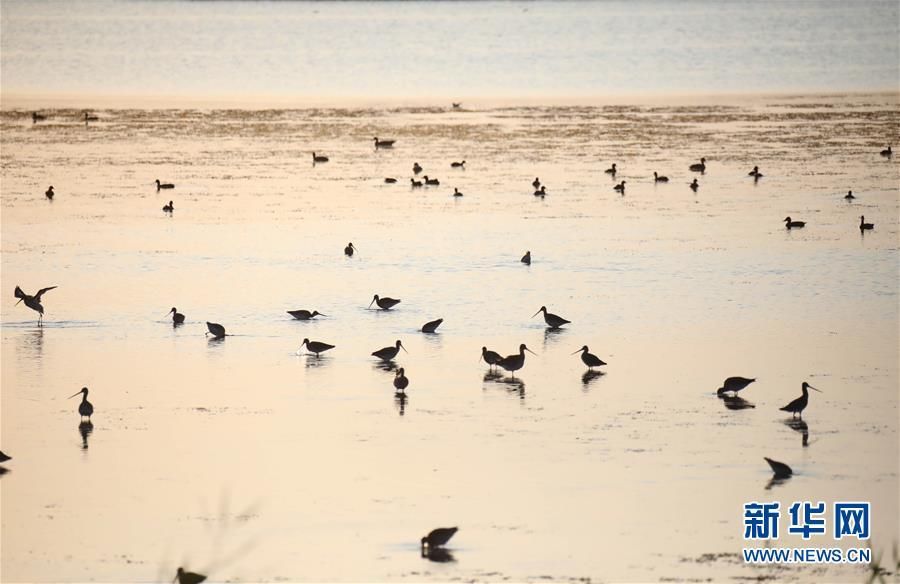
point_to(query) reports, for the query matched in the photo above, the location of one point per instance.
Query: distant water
(453, 49)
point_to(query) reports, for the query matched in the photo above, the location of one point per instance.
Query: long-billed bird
(553, 321)
(215, 329)
(305, 314)
(589, 359)
(798, 405)
(400, 381)
(513, 363)
(85, 408)
(781, 470)
(384, 303)
(348, 251)
(438, 537)
(734, 384)
(315, 347)
(177, 317)
(388, 353)
(431, 326)
(33, 302)
(490, 357)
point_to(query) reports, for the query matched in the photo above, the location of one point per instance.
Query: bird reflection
(400, 402)
(799, 426)
(85, 429)
(590, 376)
(33, 344)
(438, 554)
(552, 335)
(388, 366)
(733, 402)
(513, 384)
(776, 481)
(3, 471)
(317, 362)
(492, 376)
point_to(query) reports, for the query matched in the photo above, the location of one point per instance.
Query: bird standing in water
(431, 326)
(388, 353)
(514, 362)
(798, 405)
(177, 318)
(438, 537)
(490, 357)
(85, 408)
(589, 359)
(734, 384)
(400, 382)
(216, 330)
(348, 251)
(781, 470)
(315, 347)
(384, 303)
(526, 259)
(553, 321)
(33, 302)
(188, 577)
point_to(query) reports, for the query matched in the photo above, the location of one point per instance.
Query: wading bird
(383, 303)
(400, 382)
(162, 185)
(49, 194)
(348, 251)
(490, 357)
(85, 408)
(216, 330)
(552, 320)
(383, 143)
(305, 314)
(33, 302)
(790, 224)
(177, 317)
(589, 359)
(701, 167)
(319, 158)
(863, 226)
(658, 178)
(430, 327)
(526, 259)
(734, 384)
(513, 363)
(438, 537)
(188, 577)
(781, 470)
(315, 347)
(388, 353)
(798, 405)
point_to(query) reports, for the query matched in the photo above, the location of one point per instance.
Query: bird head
(400, 346)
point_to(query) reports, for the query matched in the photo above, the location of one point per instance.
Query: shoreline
(12, 101)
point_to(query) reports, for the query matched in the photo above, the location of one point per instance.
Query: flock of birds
(432, 544)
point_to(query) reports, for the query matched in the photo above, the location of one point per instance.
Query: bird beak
(535, 314)
(320, 314)
(578, 351)
(404, 349)
(371, 303)
(530, 351)
(811, 387)
(71, 396)
(17, 303)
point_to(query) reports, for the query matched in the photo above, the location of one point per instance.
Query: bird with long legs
(401, 382)
(315, 347)
(384, 303)
(388, 353)
(553, 321)
(33, 302)
(797, 406)
(85, 408)
(490, 357)
(516, 361)
(589, 358)
(734, 385)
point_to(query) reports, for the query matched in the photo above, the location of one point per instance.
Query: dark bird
(430, 327)
(526, 259)
(456, 104)
(734, 384)
(863, 226)
(781, 470)
(438, 537)
(849, 196)
(305, 314)
(416, 168)
(36, 117)
(400, 381)
(887, 152)
(431, 181)
(415, 183)
(33, 302)
(188, 577)
(49, 194)
(798, 405)
(216, 330)
(162, 185)
(552, 320)
(541, 192)
(319, 158)
(536, 183)
(458, 164)
(658, 178)
(755, 173)
(384, 303)
(85, 408)
(4, 457)
(611, 170)
(793, 224)
(315, 347)
(169, 208)
(513, 363)
(348, 251)
(177, 317)
(694, 185)
(490, 357)
(620, 187)
(89, 118)
(589, 359)
(701, 167)
(456, 192)
(390, 180)
(388, 353)
(383, 143)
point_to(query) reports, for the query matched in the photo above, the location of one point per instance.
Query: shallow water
(241, 459)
